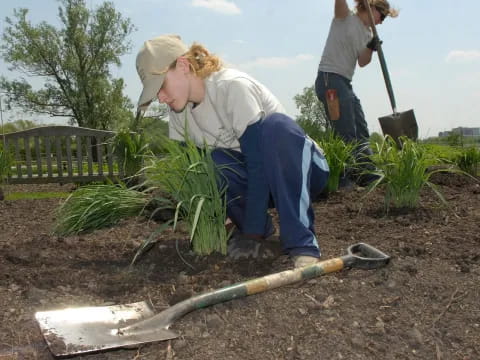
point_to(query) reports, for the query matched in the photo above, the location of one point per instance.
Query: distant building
(464, 131)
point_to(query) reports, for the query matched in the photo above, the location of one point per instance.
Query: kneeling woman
(269, 157)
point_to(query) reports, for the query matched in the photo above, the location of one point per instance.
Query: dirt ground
(423, 305)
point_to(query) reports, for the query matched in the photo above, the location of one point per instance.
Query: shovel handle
(362, 256)
(381, 58)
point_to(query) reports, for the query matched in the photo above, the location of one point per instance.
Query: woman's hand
(375, 43)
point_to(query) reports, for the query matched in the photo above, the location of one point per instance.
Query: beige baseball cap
(153, 60)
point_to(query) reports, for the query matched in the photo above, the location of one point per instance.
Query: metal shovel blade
(87, 329)
(400, 124)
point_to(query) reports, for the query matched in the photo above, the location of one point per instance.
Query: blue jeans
(296, 171)
(351, 126)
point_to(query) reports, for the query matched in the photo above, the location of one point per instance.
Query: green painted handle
(381, 58)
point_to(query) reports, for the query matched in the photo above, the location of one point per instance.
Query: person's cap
(153, 60)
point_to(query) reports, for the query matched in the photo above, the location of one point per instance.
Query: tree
(18, 125)
(74, 61)
(376, 138)
(154, 125)
(455, 138)
(312, 116)
(311, 109)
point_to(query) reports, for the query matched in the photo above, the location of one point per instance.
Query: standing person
(350, 41)
(269, 156)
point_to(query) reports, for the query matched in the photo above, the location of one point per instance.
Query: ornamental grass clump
(403, 172)
(339, 155)
(469, 160)
(96, 206)
(189, 176)
(130, 148)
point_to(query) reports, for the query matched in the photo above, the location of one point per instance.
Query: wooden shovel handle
(370, 16)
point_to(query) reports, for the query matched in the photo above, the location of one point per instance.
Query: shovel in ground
(80, 330)
(399, 123)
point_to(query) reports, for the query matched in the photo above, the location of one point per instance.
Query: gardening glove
(374, 43)
(241, 246)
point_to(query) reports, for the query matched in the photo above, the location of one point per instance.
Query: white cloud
(463, 56)
(221, 6)
(277, 62)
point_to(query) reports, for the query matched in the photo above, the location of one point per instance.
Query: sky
(432, 50)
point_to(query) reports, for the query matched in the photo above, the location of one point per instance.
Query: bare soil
(423, 305)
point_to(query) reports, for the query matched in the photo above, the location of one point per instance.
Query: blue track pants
(296, 171)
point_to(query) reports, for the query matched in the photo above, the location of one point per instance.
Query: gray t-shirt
(233, 100)
(347, 38)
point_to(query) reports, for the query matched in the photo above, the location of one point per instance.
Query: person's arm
(365, 57)
(244, 108)
(341, 9)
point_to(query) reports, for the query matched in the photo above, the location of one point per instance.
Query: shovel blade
(400, 124)
(74, 331)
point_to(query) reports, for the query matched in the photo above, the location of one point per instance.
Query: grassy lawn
(34, 167)
(36, 195)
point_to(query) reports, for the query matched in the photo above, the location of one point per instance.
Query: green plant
(190, 177)
(74, 57)
(339, 157)
(312, 128)
(444, 153)
(6, 163)
(154, 125)
(311, 109)
(95, 206)
(403, 172)
(375, 138)
(131, 149)
(468, 160)
(455, 139)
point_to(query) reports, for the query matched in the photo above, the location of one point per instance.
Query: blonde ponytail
(383, 5)
(203, 63)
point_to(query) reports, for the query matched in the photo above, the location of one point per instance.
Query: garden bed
(424, 305)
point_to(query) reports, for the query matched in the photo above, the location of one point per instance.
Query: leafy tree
(376, 138)
(74, 61)
(311, 109)
(455, 139)
(154, 126)
(18, 125)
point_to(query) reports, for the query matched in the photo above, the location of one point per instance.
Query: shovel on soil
(80, 330)
(399, 123)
